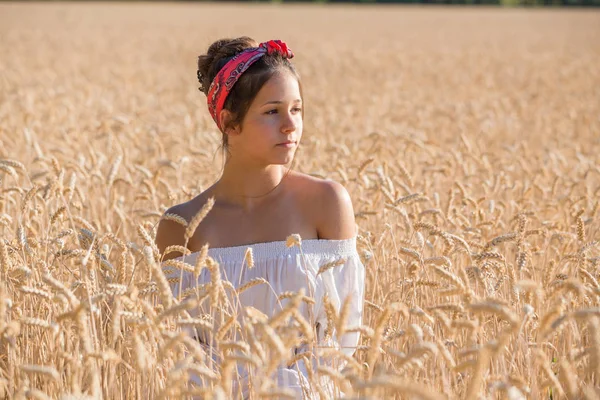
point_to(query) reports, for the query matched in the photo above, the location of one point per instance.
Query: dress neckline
(264, 250)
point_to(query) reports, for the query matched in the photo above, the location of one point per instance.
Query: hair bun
(216, 57)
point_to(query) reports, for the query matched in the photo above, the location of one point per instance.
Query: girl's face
(272, 127)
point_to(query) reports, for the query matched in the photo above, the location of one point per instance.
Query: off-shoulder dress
(289, 269)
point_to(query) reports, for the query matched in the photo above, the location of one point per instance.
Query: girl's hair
(249, 84)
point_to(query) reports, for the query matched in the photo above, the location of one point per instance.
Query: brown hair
(249, 84)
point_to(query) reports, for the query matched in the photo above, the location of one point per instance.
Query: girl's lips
(287, 144)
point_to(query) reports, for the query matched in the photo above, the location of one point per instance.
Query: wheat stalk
(197, 219)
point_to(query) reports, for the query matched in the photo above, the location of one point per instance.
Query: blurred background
(505, 3)
(475, 118)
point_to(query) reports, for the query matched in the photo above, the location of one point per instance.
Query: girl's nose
(288, 125)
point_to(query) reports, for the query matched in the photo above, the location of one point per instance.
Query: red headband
(230, 73)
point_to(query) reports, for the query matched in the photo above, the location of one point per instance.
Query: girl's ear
(226, 117)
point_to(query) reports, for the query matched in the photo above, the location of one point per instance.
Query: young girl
(254, 95)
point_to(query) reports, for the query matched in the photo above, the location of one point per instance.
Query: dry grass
(468, 139)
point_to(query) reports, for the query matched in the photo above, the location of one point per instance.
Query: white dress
(289, 269)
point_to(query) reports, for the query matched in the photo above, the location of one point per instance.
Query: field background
(449, 127)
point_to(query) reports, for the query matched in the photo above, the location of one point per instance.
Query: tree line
(507, 3)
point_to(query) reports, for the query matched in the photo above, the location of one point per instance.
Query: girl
(254, 95)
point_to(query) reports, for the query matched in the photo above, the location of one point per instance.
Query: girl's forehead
(279, 87)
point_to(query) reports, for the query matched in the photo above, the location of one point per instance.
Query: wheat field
(468, 139)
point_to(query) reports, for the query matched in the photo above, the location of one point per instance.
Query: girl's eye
(275, 111)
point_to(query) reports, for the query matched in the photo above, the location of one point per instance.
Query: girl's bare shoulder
(329, 203)
(172, 226)
(318, 189)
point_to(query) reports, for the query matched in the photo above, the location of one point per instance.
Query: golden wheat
(473, 173)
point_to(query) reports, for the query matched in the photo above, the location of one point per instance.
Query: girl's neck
(248, 186)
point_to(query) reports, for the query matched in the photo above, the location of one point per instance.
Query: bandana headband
(230, 73)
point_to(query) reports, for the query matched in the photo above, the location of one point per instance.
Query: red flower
(277, 46)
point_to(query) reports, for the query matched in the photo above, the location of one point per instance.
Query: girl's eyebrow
(281, 102)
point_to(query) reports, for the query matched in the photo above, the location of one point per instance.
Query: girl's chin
(283, 160)
(284, 157)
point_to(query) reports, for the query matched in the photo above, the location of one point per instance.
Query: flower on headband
(277, 46)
